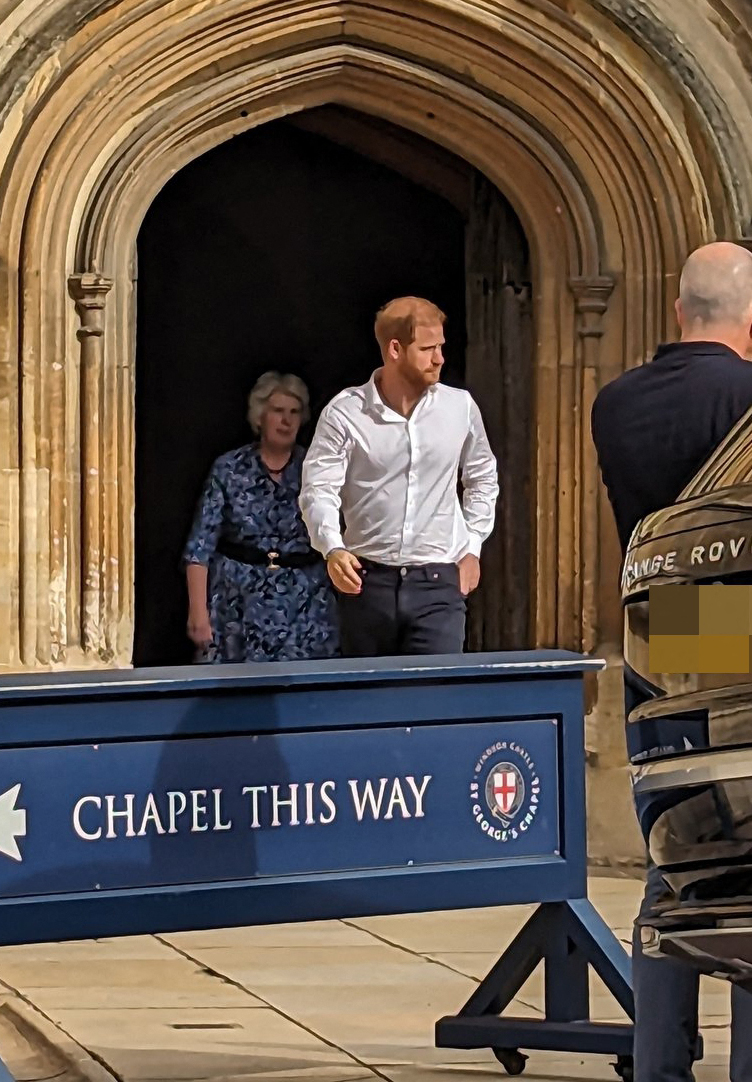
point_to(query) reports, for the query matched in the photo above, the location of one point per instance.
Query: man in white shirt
(386, 456)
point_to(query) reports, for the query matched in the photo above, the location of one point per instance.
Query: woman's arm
(199, 625)
(199, 549)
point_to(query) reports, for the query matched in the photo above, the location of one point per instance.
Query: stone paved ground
(341, 1001)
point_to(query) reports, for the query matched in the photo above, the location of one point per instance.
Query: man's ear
(679, 313)
(393, 350)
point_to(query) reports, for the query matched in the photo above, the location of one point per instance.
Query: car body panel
(690, 734)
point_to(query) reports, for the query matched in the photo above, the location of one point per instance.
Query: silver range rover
(690, 735)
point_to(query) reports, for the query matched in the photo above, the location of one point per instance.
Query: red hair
(398, 319)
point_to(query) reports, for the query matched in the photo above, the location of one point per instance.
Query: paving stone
(322, 933)
(185, 1044)
(378, 1002)
(461, 930)
(77, 951)
(106, 982)
(153, 1015)
(35, 1050)
(541, 1067)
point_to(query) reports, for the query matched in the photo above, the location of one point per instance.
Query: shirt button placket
(407, 528)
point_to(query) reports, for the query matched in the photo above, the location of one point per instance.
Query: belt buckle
(272, 566)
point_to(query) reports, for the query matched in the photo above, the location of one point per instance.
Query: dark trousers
(667, 992)
(403, 610)
(666, 1013)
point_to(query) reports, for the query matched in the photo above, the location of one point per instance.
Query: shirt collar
(678, 352)
(375, 402)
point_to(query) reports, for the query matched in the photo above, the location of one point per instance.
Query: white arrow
(12, 823)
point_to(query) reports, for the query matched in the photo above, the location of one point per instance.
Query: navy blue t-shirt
(653, 428)
(656, 425)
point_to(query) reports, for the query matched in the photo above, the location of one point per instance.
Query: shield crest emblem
(505, 790)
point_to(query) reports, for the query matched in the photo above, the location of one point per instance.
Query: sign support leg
(568, 937)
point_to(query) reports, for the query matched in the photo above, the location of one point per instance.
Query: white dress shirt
(395, 478)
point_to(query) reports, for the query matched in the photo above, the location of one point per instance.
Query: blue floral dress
(258, 614)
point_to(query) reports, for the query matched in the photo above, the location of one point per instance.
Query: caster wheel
(511, 1059)
(624, 1067)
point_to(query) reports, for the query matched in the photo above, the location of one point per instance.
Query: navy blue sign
(150, 813)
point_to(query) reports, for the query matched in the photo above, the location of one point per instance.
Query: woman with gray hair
(257, 591)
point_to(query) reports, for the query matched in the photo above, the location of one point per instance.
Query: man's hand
(343, 570)
(469, 567)
(199, 628)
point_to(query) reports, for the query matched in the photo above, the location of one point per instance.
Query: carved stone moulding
(610, 191)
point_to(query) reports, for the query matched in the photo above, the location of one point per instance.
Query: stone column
(89, 291)
(591, 302)
(609, 797)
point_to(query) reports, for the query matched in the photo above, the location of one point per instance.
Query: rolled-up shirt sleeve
(480, 482)
(324, 473)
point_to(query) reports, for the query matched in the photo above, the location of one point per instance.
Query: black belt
(249, 554)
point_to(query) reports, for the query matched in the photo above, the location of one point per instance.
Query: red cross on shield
(505, 790)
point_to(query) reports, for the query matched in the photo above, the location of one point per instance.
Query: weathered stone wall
(618, 129)
(705, 46)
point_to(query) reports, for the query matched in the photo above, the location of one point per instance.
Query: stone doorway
(273, 251)
(610, 199)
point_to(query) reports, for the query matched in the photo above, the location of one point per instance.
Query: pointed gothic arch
(611, 182)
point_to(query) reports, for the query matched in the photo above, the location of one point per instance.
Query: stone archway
(611, 191)
(274, 249)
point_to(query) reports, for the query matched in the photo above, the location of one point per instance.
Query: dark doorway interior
(272, 251)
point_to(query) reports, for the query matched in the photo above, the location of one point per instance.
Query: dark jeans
(403, 610)
(667, 992)
(666, 1012)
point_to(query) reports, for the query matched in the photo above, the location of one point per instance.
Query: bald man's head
(715, 290)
